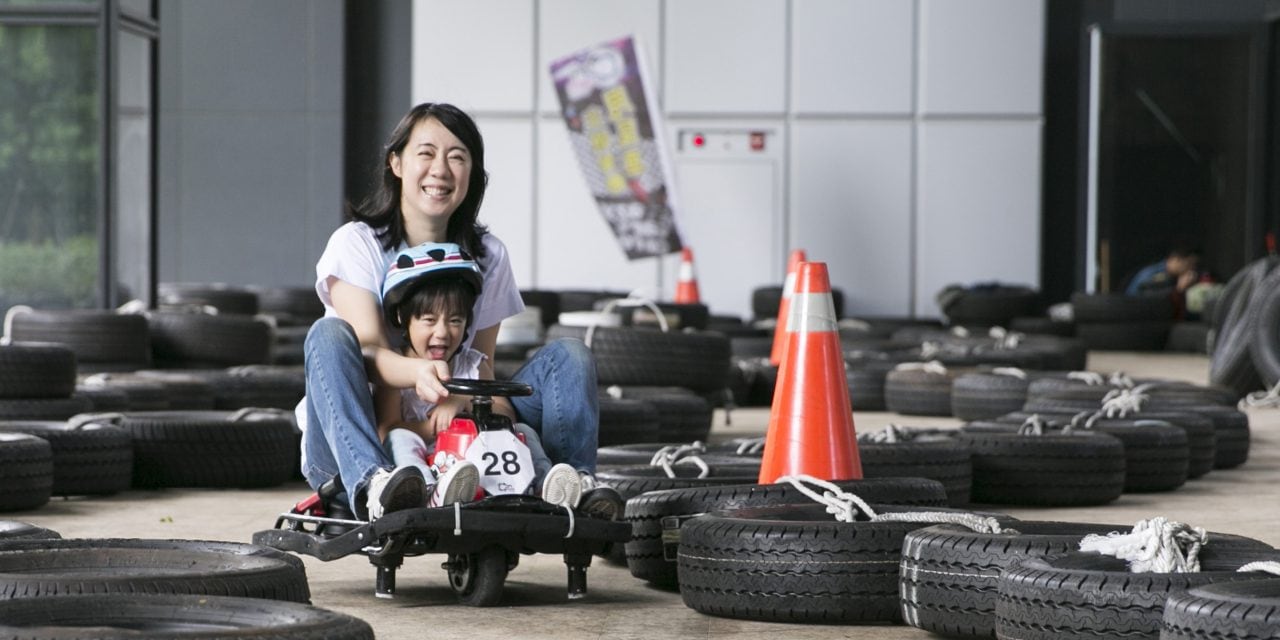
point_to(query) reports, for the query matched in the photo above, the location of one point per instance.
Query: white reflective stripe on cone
(686, 272)
(811, 313)
(788, 284)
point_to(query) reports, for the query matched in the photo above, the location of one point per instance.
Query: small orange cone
(686, 283)
(780, 329)
(811, 422)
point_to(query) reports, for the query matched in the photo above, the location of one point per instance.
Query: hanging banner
(616, 132)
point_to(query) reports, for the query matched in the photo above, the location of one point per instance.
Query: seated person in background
(1172, 275)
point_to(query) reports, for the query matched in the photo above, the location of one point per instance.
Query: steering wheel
(474, 387)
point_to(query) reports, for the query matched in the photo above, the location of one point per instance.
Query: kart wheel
(478, 577)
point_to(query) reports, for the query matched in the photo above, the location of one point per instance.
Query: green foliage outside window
(49, 165)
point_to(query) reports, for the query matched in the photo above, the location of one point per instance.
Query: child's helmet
(418, 265)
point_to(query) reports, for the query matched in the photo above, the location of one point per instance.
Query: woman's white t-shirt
(355, 255)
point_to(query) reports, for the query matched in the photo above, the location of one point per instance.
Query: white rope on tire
(9, 315)
(750, 445)
(1090, 378)
(703, 469)
(1269, 566)
(672, 452)
(932, 366)
(1010, 371)
(891, 434)
(1034, 425)
(845, 507)
(1119, 403)
(1157, 545)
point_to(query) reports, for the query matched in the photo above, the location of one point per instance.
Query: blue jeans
(342, 437)
(564, 408)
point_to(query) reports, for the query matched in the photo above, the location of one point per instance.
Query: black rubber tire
(192, 340)
(14, 530)
(942, 459)
(978, 396)
(866, 385)
(89, 460)
(631, 481)
(1119, 308)
(793, 563)
(1231, 364)
(683, 416)
(990, 305)
(1264, 345)
(296, 306)
(1124, 336)
(96, 337)
(1042, 325)
(33, 370)
(625, 421)
(478, 578)
(145, 394)
(950, 575)
(43, 408)
(1243, 610)
(227, 299)
(185, 391)
(209, 449)
(26, 471)
(547, 302)
(1048, 470)
(39, 568)
(913, 392)
(1078, 596)
(765, 302)
(645, 357)
(178, 616)
(1189, 337)
(645, 552)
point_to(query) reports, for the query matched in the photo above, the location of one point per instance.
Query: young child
(428, 295)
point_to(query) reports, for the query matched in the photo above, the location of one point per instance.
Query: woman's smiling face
(434, 171)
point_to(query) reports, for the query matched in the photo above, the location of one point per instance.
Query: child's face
(437, 334)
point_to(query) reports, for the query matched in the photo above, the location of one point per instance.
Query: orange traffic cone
(780, 329)
(686, 283)
(811, 422)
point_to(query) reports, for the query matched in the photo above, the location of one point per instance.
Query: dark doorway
(1178, 144)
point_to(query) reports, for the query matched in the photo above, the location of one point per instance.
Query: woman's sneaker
(562, 486)
(458, 484)
(394, 489)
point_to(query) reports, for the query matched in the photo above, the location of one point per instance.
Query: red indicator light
(757, 140)
(698, 140)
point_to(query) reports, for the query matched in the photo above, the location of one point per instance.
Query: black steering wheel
(474, 387)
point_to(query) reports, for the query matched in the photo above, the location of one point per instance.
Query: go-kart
(483, 539)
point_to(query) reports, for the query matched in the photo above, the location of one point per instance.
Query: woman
(433, 181)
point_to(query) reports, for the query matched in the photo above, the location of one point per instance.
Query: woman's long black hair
(381, 209)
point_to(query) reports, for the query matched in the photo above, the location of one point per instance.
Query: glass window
(49, 166)
(132, 228)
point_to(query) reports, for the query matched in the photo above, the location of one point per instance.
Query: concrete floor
(1243, 501)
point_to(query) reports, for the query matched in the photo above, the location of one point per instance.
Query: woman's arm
(361, 310)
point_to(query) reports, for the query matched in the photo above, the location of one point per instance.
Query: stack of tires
(59, 588)
(1245, 355)
(1119, 322)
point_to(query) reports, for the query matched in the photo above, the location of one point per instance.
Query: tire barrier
(244, 449)
(26, 471)
(1047, 469)
(88, 459)
(125, 617)
(101, 340)
(46, 569)
(657, 517)
(1244, 610)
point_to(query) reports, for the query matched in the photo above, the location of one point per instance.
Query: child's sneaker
(458, 484)
(394, 489)
(562, 486)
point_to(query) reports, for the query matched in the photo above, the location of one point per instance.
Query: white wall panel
(981, 56)
(851, 208)
(508, 200)
(575, 248)
(978, 206)
(725, 56)
(852, 56)
(565, 26)
(730, 211)
(475, 54)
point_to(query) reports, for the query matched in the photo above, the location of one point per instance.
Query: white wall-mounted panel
(725, 56)
(474, 54)
(575, 247)
(852, 56)
(851, 208)
(508, 200)
(730, 210)
(981, 56)
(978, 205)
(566, 26)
